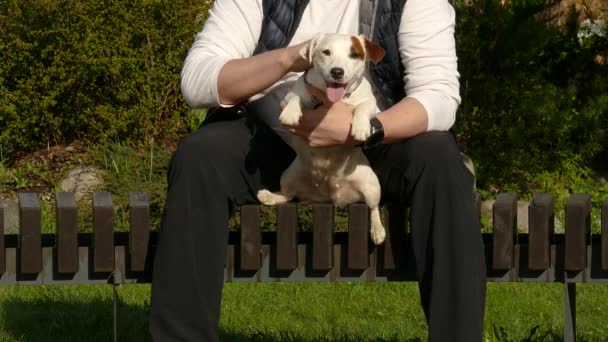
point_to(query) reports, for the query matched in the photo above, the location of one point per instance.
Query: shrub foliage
(535, 99)
(92, 70)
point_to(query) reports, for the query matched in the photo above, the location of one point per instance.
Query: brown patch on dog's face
(357, 50)
(375, 51)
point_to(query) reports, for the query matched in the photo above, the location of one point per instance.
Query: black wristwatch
(376, 135)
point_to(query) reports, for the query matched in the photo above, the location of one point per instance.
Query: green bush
(535, 104)
(93, 70)
(534, 100)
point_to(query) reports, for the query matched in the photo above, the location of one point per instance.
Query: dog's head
(341, 60)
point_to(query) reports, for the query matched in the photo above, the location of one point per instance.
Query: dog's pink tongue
(335, 94)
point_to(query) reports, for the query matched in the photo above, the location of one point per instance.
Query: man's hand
(292, 59)
(326, 125)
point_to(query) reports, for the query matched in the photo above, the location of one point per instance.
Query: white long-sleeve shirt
(426, 46)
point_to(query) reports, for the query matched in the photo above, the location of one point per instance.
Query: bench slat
(358, 234)
(103, 232)
(30, 223)
(2, 251)
(287, 227)
(250, 238)
(323, 236)
(605, 236)
(578, 225)
(139, 217)
(505, 230)
(541, 220)
(67, 232)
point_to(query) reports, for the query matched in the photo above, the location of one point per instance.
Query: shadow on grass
(287, 337)
(51, 320)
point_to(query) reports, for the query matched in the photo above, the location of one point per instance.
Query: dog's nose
(336, 73)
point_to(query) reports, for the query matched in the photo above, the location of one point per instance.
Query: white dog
(340, 174)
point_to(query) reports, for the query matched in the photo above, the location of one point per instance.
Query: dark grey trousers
(222, 166)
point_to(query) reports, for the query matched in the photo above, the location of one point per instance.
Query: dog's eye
(326, 52)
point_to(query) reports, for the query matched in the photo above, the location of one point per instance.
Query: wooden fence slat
(578, 225)
(605, 236)
(358, 236)
(505, 228)
(139, 236)
(287, 229)
(30, 224)
(541, 219)
(250, 238)
(2, 251)
(67, 232)
(323, 236)
(103, 232)
(394, 245)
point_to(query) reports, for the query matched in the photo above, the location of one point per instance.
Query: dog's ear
(374, 51)
(308, 51)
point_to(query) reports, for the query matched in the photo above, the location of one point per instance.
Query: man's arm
(428, 50)
(406, 119)
(239, 79)
(219, 69)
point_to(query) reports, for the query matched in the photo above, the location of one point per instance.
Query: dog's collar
(317, 101)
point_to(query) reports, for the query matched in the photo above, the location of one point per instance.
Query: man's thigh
(398, 165)
(243, 153)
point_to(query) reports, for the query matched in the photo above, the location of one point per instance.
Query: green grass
(297, 312)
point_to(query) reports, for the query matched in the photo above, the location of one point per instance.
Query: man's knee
(207, 146)
(434, 151)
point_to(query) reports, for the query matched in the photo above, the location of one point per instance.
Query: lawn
(297, 312)
(259, 312)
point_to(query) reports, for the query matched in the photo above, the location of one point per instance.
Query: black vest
(282, 17)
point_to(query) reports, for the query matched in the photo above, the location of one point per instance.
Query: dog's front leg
(292, 112)
(361, 126)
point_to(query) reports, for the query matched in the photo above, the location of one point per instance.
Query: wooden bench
(108, 257)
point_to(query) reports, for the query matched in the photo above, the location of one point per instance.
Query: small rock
(11, 216)
(559, 228)
(522, 215)
(486, 207)
(82, 181)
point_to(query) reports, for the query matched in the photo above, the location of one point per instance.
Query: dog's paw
(266, 197)
(361, 130)
(378, 234)
(270, 198)
(290, 117)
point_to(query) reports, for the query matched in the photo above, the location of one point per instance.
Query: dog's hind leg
(272, 198)
(288, 188)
